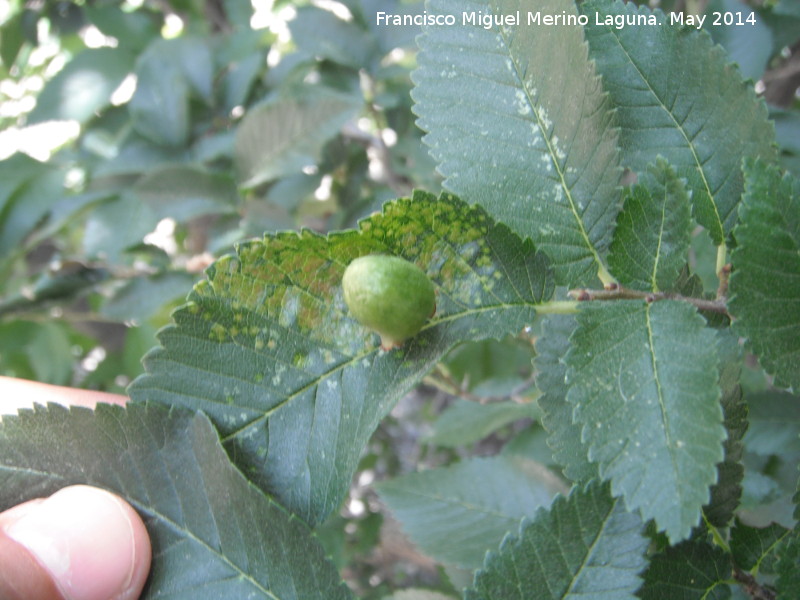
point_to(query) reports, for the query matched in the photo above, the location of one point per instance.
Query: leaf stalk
(606, 278)
(557, 307)
(716, 535)
(722, 257)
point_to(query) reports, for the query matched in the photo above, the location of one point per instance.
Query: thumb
(81, 543)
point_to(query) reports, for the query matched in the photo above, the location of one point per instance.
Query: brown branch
(400, 185)
(621, 293)
(215, 14)
(446, 383)
(752, 587)
(781, 83)
(724, 277)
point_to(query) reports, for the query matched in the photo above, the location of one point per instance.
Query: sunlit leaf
(344, 42)
(285, 134)
(519, 123)
(169, 73)
(83, 87)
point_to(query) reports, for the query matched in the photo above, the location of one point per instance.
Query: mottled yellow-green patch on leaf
(269, 349)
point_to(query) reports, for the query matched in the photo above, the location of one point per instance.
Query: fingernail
(84, 537)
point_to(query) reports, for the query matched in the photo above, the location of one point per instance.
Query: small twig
(401, 185)
(622, 293)
(445, 382)
(752, 587)
(217, 17)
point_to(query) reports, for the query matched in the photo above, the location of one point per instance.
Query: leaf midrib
(145, 508)
(654, 274)
(590, 549)
(771, 547)
(657, 381)
(188, 533)
(356, 358)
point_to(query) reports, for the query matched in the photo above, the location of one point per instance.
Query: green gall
(390, 295)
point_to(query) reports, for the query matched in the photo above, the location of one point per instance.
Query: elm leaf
(765, 283)
(267, 348)
(665, 110)
(564, 434)
(587, 545)
(755, 548)
(651, 241)
(465, 421)
(726, 493)
(214, 534)
(692, 570)
(643, 384)
(788, 566)
(286, 133)
(455, 521)
(518, 121)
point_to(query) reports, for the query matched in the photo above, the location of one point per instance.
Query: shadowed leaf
(667, 110)
(689, 571)
(585, 546)
(456, 521)
(214, 534)
(651, 241)
(765, 284)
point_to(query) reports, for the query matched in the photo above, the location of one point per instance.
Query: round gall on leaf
(389, 295)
